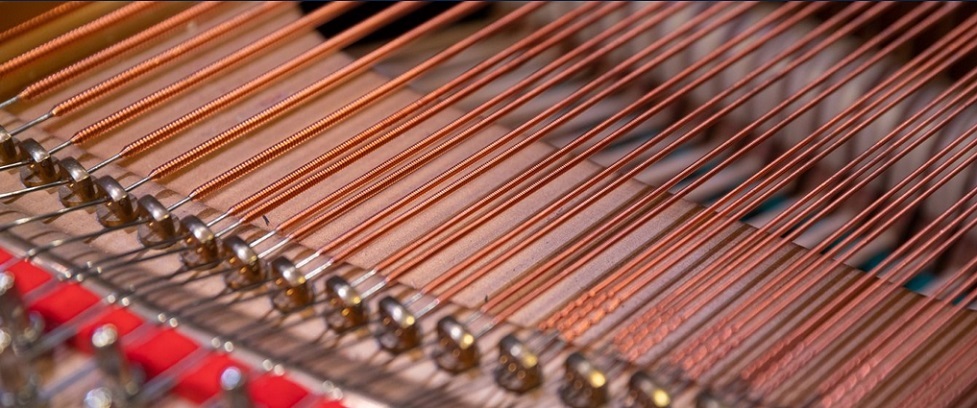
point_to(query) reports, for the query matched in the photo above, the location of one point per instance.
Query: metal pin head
(457, 346)
(346, 309)
(730, 394)
(24, 328)
(99, 397)
(204, 248)
(10, 151)
(292, 291)
(585, 385)
(18, 384)
(161, 227)
(124, 382)
(234, 384)
(105, 337)
(41, 167)
(399, 330)
(247, 270)
(519, 368)
(645, 391)
(707, 399)
(80, 188)
(119, 207)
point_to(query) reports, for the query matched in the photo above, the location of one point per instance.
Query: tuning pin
(707, 399)
(10, 151)
(458, 347)
(292, 292)
(100, 397)
(234, 383)
(18, 384)
(23, 327)
(204, 249)
(728, 395)
(585, 385)
(119, 207)
(41, 167)
(80, 187)
(246, 269)
(160, 229)
(398, 331)
(645, 392)
(519, 367)
(124, 382)
(346, 309)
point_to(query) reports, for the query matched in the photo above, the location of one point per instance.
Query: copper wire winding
(932, 160)
(429, 155)
(943, 379)
(242, 128)
(846, 295)
(456, 169)
(507, 293)
(651, 196)
(128, 45)
(149, 102)
(146, 104)
(405, 112)
(319, 175)
(607, 90)
(792, 368)
(552, 207)
(359, 65)
(365, 135)
(923, 183)
(568, 318)
(102, 89)
(694, 222)
(835, 391)
(41, 19)
(718, 263)
(76, 35)
(744, 317)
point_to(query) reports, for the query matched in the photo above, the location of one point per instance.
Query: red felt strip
(63, 304)
(203, 382)
(329, 403)
(123, 320)
(161, 351)
(164, 348)
(275, 391)
(27, 277)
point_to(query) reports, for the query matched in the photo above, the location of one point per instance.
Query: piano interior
(584, 204)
